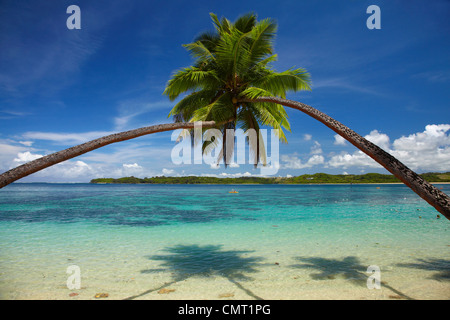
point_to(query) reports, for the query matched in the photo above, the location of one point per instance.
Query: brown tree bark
(60, 156)
(424, 189)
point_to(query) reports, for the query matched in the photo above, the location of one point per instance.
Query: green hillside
(303, 179)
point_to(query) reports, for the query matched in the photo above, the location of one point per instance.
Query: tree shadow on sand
(349, 268)
(187, 261)
(442, 267)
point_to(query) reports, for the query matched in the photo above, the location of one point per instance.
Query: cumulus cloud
(228, 175)
(27, 156)
(234, 175)
(425, 151)
(168, 171)
(357, 159)
(316, 148)
(339, 141)
(8, 152)
(73, 170)
(293, 162)
(67, 171)
(433, 138)
(131, 166)
(131, 169)
(428, 150)
(215, 166)
(15, 153)
(380, 139)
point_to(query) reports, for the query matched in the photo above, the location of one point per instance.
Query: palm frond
(190, 78)
(272, 115)
(262, 36)
(245, 23)
(218, 110)
(187, 106)
(208, 39)
(254, 92)
(199, 50)
(279, 83)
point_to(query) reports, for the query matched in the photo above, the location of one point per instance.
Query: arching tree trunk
(438, 199)
(424, 189)
(60, 156)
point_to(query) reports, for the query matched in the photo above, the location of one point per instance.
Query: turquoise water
(201, 242)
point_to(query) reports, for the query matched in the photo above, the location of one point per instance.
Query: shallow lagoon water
(266, 242)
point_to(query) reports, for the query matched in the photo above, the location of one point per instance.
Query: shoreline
(231, 184)
(253, 184)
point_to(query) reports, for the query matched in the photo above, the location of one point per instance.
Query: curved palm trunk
(424, 189)
(60, 156)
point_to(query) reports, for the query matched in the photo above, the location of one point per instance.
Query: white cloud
(10, 150)
(67, 171)
(339, 140)
(27, 156)
(228, 175)
(131, 169)
(428, 150)
(380, 139)
(316, 148)
(131, 166)
(13, 154)
(65, 138)
(74, 169)
(167, 171)
(307, 137)
(425, 151)
(432, 138)
(357, 159)
(26, 143)
(293, 162)
(315, 160)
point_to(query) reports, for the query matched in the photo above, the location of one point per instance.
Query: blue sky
(61, 87)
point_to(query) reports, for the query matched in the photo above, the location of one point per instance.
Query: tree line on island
(316, 178)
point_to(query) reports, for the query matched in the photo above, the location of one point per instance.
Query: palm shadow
(187, 261)
(442, 267)
(349, 268)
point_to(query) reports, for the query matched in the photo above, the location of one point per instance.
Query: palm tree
(231, 85)
(231, 82)
(231, 64)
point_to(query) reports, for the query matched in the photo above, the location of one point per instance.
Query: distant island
(318, 178)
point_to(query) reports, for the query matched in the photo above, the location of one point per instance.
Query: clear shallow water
(267, 242)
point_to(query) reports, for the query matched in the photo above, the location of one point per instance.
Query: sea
(266, 242)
